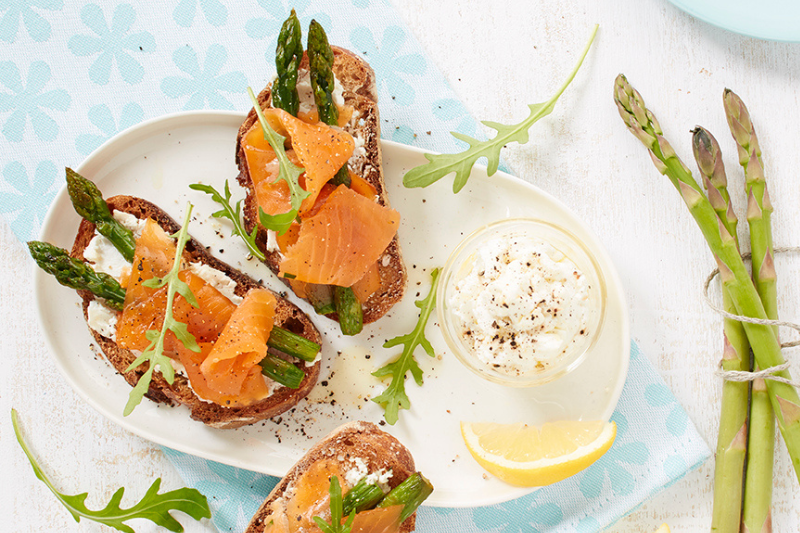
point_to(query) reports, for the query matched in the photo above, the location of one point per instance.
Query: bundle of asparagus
(743, 296)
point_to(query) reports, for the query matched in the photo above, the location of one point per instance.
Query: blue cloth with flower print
(74, 74)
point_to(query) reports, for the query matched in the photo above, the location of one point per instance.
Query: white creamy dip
(522, 305)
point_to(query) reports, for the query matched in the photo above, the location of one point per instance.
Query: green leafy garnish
(441, 165)
(280, 224)
(289, 172)
(153, 506)
(154, 354)
(336, 525)
(394, 397)
(234, 215)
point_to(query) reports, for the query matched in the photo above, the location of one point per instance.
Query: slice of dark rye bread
(287, 316)
(360, 92)
(364, 440)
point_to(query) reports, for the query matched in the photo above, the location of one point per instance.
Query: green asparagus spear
(757, 513)
(320, 64)
(76, 274)
(287, 60)
(732, 434)
(410, 493)
(281, 371)
(361, 497)
(321, 298)
(351, 318)
(733, 273)
(292, 344)
(89, 203)
(709, 161)
(320, 60)
(757, 506)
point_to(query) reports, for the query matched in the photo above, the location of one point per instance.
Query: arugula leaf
(441, 165)
(289, 172)
(336, 525)
(234, 215)
(153, 506)
(394, 397)
(280, 224)
(154, 353)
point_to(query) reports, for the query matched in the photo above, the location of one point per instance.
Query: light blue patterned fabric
(74, 75)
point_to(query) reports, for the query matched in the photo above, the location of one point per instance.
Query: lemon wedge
(531, 456)
(663, 529)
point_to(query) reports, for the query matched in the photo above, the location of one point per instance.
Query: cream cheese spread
(102, 319)
(131, 222)
(217, 279)
(305, 92)
(522, 306)
(272, 241)
(104, 255)
(360, 471)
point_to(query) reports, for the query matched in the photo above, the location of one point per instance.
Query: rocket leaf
(153, 506)
(288, 171)
(441, 165)
(336, 525)
(154, 353)
(280, 223)
(394, 397)
(232, 214)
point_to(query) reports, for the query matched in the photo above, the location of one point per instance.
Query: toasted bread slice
(358, 82)
(287, 316)
(345, 448)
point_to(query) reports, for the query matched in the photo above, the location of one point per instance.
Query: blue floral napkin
(73, 75)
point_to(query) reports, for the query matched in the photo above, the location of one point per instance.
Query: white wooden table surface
(500, 56)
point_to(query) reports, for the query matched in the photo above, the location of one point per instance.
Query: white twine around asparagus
(767, 373)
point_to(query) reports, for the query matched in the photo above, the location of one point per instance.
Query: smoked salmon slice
(271, 196)
(233, 361)
(214, 309)
(320, 149)
(310, 497)
(252, 389)
(342, 241)
(369, 284)
(382, 520)
(232, 339)
(362, 186)
(145, 307)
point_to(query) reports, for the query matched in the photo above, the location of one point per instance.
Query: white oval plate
(158, 159)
